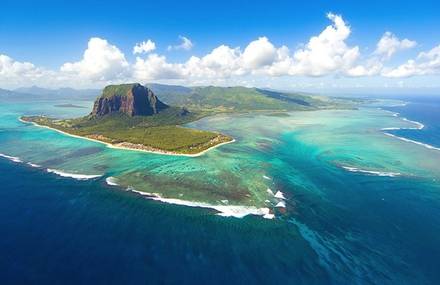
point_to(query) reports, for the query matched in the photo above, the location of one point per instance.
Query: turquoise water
(360, 206)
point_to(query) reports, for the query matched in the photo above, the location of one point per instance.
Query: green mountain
(239, 99)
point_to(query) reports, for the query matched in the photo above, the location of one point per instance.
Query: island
(131, 116)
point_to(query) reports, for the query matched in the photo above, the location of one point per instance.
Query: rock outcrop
(130, 99)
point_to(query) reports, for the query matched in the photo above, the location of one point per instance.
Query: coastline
(120, 145)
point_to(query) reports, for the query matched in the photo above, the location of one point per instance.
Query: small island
(130, 116)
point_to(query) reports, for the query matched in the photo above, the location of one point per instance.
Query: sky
(328, 46)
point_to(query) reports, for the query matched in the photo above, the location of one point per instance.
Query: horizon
(402, 92)
(336, 49)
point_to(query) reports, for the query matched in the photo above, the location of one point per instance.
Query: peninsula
(130, 116)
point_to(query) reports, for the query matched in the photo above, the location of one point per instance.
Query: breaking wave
(224, 210)
(112, 181)
(419, 126)
(413, 141)
(372, 172)
(11, 158)
(72, 175)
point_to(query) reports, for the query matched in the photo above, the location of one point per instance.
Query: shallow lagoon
(244, 173)
(341, 225)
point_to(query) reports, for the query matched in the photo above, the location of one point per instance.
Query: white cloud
(221, 62)
(155, 67)
(426, 63)
(386, 47)
(144, 47)
(101, 62)
(370, 69)
(15, 72)
(389, 44)
(185, 44)
(259, 53)
(326, 52)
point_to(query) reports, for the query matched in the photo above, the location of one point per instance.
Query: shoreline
(116, 146)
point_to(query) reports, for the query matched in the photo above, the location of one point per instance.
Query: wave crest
(224, 210)
(371, 172)
(72, 175)
(11, 158)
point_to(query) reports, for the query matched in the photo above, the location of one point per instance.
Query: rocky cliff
(131, 99)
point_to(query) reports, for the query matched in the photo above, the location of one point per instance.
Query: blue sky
(49, 34)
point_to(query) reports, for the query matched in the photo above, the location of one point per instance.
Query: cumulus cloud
(185, 44)
(389, 44)
(221, 62)
(15, 72)
(259, 53)
(144, 47)
(155, 67)
(101, 62)
(386, 47)
(372, 67)
(326, 52)
(425, 63)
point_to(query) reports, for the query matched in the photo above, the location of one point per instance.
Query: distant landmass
(211, 99)
(9, 94)
(38, 93)
(242, 99)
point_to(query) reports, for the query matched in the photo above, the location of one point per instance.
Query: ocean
(355, 198)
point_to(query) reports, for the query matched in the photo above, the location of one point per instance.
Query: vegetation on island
(114, 120)
(161, 133)
(242, 99)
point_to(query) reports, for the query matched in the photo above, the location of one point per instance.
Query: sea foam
(33, 165)
(419, 126)
(371, 172)
(11, 158)
(413, 141)
(112, 181)
(72, 175)
(224, 210)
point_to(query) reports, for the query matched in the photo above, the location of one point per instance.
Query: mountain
(207, 99)
(131, 99)
(8, 94)
(61, 93)
(236, 98)
(131, 116)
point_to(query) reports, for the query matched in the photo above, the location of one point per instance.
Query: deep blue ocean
(425, 110)
(364, 230)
